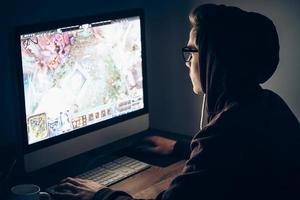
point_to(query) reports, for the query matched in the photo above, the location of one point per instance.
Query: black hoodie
(250, 147)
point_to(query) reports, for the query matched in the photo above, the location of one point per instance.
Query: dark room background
(172, 105)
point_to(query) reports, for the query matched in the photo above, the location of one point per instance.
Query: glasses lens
(187, 53)
(187, 56)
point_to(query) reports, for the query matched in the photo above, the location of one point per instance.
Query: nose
(188, 64)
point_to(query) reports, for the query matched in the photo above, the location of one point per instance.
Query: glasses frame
(190, 50)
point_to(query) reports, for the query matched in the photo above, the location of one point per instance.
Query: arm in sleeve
(206, 174)
(182, 149)
(200, 179)
(109, 194)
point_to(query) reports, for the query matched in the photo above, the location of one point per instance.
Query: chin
(197, 91)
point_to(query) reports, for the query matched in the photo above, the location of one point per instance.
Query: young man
(250, 147)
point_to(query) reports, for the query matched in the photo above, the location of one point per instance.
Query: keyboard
(112, 172)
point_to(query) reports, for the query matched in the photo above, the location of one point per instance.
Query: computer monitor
(82, 83)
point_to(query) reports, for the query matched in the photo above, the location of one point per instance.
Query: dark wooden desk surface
(149, 183)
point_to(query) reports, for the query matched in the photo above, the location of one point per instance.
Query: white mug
(28, 192)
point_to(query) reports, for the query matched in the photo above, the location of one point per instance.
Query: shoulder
(275, 107)
(271, 97)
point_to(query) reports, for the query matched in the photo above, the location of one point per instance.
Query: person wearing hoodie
(250, 145)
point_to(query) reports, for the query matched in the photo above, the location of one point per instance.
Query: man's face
(193, 64)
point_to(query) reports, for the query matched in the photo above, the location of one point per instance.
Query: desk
(149, 183)
(146, 184)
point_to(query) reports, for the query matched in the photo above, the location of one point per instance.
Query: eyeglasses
(187, 53)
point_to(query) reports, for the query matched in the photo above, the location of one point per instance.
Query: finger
(151, 139)
(154, 149)
(66, 186)
(74, 181)
(65, 195)
(80, 180)
(149, 149)
(65, 180)
(143, 148)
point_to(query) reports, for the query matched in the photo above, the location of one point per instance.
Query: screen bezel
(25, 29)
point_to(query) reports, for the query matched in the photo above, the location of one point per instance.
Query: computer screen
(81, 75)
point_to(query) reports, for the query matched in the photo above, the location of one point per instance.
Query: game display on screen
(80, 75)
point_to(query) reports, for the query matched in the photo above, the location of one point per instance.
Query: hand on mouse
(157, 145)
(76, 188)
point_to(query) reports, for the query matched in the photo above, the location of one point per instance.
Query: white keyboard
(112, 172)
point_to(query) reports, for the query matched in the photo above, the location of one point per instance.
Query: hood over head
(238, 51)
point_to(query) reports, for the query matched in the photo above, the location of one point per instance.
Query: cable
(202, 111)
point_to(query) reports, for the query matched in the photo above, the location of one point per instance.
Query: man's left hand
(76, 188)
